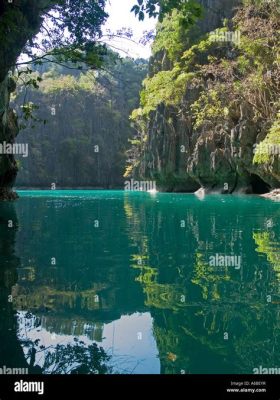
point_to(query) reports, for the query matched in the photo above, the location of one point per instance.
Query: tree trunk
(20, 21)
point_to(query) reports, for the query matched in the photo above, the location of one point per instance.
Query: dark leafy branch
(158, 8)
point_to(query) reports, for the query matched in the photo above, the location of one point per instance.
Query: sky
(120, 340)
(120, 17)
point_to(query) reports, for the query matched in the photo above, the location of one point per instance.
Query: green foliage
(207, 279)
(265, 149)
(243, 64)
(82, 20)
(213, 82)
(27, 114)
(70, 30)
(171, 36)
(159, 8)
(28, 109)
(264, 242)
(170, 86)
(90, 126)
(165, 87)
(67, 83)
(257, 51)
(208, 107)
(259, 4)
(205, 51)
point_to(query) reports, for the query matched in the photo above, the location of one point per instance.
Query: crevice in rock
(258, 185)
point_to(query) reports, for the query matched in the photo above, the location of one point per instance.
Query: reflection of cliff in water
(207, 319)
(65, 277)
(61, 289)
(11, 354)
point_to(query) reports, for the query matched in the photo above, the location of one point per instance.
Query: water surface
(129, 282)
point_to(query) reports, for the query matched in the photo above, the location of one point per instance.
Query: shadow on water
(11, 354)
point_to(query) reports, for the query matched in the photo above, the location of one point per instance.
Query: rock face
(170, 134)
(26, 14)
(163, 159)
(274, 195)
(217, 158)
(90, 127)
(221, 160)
(8, 132)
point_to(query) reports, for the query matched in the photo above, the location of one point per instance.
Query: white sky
(121, 17)
(120, 340)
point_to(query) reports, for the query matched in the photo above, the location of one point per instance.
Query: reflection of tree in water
(75, 358)
(17, 351)
(192, 305)
(225, 324)
(11, 354)
(267, 244)
(78, 294)
(207, 278)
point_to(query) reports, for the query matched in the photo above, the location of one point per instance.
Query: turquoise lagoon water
(132, 282)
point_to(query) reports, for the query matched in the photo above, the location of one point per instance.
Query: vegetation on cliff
(224, 87)
(20, 22)
(86, 130)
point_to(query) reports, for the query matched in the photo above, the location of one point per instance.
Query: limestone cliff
(19, 21)
(209, 114)
(8, 133)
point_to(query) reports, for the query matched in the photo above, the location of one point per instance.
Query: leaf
(135, 9)
(141, 16)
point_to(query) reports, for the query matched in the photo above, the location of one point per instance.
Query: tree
(67, 28)
(76, 358)
(159, 8)
(98, 106)
(71, 32)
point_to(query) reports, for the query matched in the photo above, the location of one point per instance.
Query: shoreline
(273, 195)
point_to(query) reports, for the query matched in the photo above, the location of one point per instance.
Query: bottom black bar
(83, 386)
